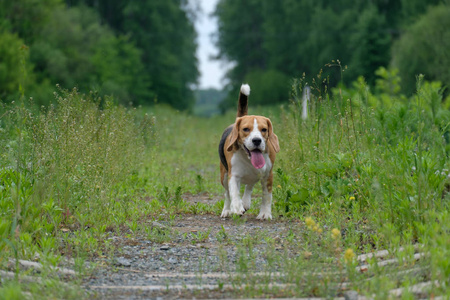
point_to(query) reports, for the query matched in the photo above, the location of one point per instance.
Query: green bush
(64, 165)
(85, 148)
(423, 49)
(268, 87)
(369, 45)
(14, 65)
(76, 50)
(381, 158)
(26, 17)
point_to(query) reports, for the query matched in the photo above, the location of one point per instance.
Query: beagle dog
(247, 153)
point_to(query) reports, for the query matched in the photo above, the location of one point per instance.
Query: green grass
(372, 167)
(378, 173)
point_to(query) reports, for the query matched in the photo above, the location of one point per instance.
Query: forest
(140, 52)
(143, 52)
(279, 40)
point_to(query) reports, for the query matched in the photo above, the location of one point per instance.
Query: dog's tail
(243, 101)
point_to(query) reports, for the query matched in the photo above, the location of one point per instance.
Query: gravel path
(202, 259)
(205, 256)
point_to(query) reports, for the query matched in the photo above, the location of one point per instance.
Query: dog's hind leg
(226, 212)
(247, 198)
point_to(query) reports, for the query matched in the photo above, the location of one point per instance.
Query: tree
(269, 86)
(74, 49)
(370, 45)
(166, 36)
(164, 32)
(241, 37)
(14, 66)
(26, 18)
(423, 49)
(111, 11)
(138, 51)
(293, 37)
(282, 39)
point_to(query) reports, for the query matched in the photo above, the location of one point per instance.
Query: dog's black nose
(256, 141)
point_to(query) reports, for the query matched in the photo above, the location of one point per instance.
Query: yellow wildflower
(349, 255)
(307, 254)
(351, 198)
(310, 222)
(335, 233)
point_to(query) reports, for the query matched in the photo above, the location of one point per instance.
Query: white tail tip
(245, 89)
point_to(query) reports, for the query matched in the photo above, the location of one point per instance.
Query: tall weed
(66, 164)
(87, 147)
(359, 159)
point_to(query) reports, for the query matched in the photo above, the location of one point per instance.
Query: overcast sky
(211, 71)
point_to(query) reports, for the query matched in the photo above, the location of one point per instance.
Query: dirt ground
(201, 259)
(207, 257)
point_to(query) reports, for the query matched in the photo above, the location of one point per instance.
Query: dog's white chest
(242, 168)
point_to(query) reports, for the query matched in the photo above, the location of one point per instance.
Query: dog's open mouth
(256, 157)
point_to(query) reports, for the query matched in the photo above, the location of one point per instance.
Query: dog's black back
(225, 134)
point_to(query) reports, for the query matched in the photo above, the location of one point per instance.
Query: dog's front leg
(247, 198)
(265, 212)
(236, 202)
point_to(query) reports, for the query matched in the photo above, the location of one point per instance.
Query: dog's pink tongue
(257, 159)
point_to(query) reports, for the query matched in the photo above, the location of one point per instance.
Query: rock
(164, 247)
(351, 295)
(159, 225)
(173, 260)
(120, 261)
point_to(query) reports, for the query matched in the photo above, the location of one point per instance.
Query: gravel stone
(120, 261)
(173, 260)
(351, 295)
(184, 261)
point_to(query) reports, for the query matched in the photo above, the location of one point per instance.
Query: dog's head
(255, 135)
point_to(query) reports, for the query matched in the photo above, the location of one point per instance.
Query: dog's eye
(264, 130)
(246, 129)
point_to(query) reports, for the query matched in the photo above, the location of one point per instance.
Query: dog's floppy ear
(234, 135)
(273, 139)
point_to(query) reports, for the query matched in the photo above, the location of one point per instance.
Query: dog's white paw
(237, 209)
(247, 204)
(264, 215)
(226, 213)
